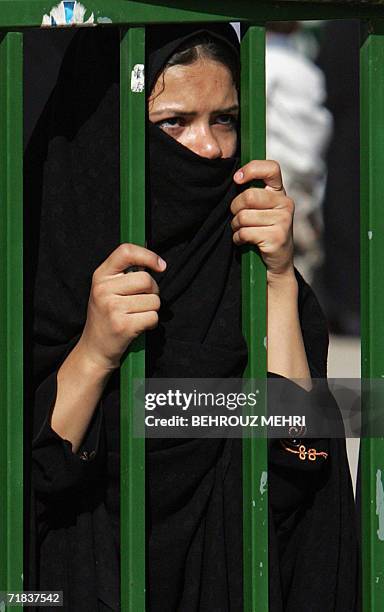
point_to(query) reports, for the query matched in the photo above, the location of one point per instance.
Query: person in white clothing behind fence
(299, 127)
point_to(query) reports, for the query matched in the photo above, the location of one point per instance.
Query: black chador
(194, 486)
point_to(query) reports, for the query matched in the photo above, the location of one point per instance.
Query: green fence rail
(132, 16)
(30, 13)
(11, 312)
(254, 303)
(372, 303)
(132, 453)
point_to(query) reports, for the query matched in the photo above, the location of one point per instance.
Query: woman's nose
(204, 143)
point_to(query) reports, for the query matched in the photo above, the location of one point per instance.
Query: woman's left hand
(263, 216)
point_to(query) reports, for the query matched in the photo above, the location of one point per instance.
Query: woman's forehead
(205, 83)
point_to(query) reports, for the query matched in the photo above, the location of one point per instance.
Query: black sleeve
(312, 529)
(299, 462)
(55, 467)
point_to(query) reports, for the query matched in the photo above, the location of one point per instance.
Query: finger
(268, 239)
(145, 320)
(266, 170)
(126, 255)
(260, 198)
(139, 303)
(134, 269)
(255, 218)
(131, 284)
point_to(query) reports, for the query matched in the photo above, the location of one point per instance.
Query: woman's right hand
(121, 305)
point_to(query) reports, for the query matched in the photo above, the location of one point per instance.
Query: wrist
(282, 280)
(92, 364)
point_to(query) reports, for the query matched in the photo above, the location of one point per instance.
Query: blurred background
(312, 74)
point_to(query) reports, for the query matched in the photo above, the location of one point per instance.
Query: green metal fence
(132, 16)
(372, 292)
(11, 326)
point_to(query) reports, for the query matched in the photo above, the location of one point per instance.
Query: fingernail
(162, 263)
(239, 175)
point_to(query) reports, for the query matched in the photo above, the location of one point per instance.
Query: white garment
(298, 131)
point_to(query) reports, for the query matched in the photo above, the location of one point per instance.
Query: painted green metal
(132, 223)
(24, 13)
(372, 305)
(255, 496)
(11, 312)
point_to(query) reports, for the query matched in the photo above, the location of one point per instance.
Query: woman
(87, 312)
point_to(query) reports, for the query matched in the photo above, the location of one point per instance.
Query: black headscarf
(194, 489)
(163, 42)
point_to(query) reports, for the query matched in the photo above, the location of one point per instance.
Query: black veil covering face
(195, 487)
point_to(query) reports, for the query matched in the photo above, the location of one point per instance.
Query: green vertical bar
(255, 496)
(372, 306)
(132, 224)
(11, 312)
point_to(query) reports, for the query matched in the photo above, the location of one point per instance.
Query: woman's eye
(171, 122)
(229, 120)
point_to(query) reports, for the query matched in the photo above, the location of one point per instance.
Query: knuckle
(254, 166)
(233, 206)
(95, 276)
(156, 302)
(280, 236)
(242, 234)
(242, 217)
(249, 197)
(285, 217)
(148, 280)
(97, 290)
(290, 204)
(152, 319)
(126, 249)
(145, 280)
(274, 166)
(97, 281)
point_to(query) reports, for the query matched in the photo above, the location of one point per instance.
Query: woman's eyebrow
(180, 111)
(229, 109)
(170, 109)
